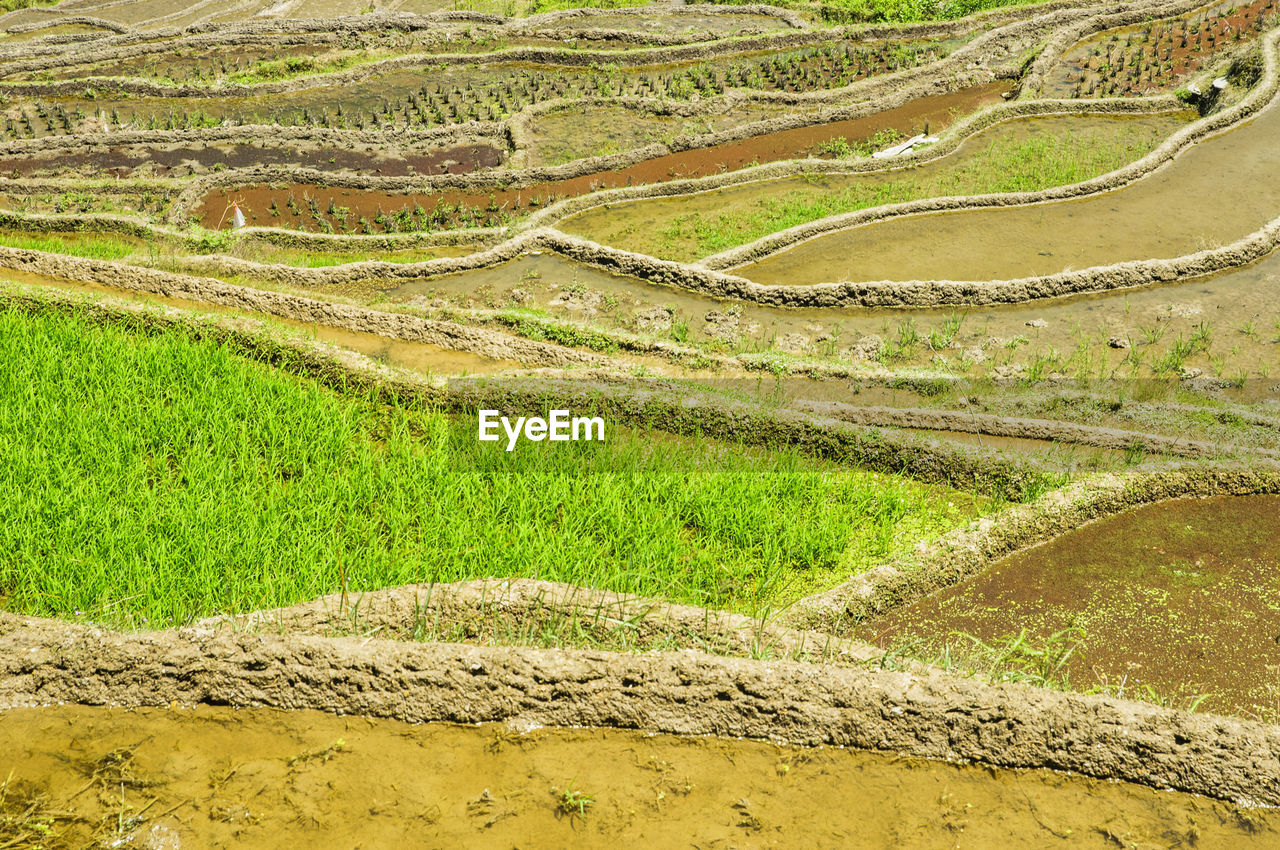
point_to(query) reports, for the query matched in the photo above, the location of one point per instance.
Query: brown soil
(1176, 596)
(453, 208)
(218, 777)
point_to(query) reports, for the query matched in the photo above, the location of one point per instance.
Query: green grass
(264, 252)
(537, 7)
(155, 478)
(292, 67)
(1004, 164)
(890, 11)
(907, 11)
(95, 247)
(15, 5)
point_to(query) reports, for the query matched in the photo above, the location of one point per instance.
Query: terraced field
(935, 349)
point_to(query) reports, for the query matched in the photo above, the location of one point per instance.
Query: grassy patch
(907, 11)
(1003, 164)
(15, 5)
(162, 478)
(97, 247)
(292, 67)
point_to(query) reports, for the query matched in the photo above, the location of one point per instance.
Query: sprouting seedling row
(1155, 57)
(306, 211)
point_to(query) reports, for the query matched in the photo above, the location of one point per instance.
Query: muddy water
(654, 225)
(1178, 596)
(1221, 190)
(937, 110)
(418, 356)
(219, 777)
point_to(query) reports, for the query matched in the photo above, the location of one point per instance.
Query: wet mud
(490, 208)
(1129, 223)
(1176, 597)
(1234, 316)
(210, 776)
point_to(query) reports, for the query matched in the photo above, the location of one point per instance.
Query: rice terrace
(597, 423)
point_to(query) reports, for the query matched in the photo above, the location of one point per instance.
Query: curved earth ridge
(932, 715)
(887, 293)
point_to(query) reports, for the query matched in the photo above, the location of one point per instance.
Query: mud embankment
(450, 335)
(989, 57)
(932, 716)
(1226, 127)
(123, 160)
(1032, 429)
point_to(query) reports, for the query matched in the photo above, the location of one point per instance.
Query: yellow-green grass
(153, 478)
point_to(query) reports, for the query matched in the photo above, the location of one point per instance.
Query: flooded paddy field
(1176, 597)
(1010, 154)
(256, 778)
(1129, 223)
(958, 574)
(453, 208)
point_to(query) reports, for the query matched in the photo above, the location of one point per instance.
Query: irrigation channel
(1064, 634)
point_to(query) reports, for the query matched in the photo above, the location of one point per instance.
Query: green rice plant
(93, 247)
(157, 477)
(943, 337)
(1201, 336)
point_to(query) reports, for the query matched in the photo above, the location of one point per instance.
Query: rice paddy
(165, 479)
(933, 346)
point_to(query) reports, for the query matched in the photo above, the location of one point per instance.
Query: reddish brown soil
(401, 212)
